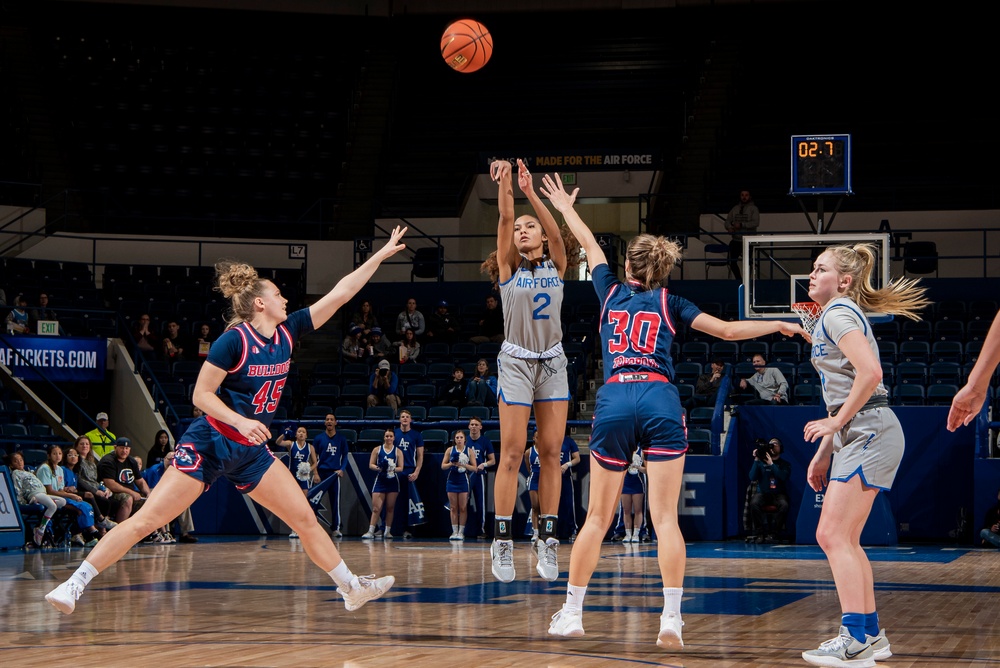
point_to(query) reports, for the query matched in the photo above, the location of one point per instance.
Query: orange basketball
(466, 45)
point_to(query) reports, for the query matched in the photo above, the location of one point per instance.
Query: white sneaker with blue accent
(844, 650)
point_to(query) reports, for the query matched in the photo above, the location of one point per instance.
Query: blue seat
(941, 395)
(908, 395)
(379, 413)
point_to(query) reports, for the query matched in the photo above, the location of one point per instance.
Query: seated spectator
(176, 346)
(452, 393)
(383, 387)
(442, 326)
(482, 387)
(491, 323)
(120, 473)
(53, 475)
(769, 383)
(408, 347)
(205, 340)
(87, 480)
(990, 533)
(364, 318)
(73, 485)
(352, 349)
(410, 318)
(145, 339)
(100, 437)
(161, 446)
(43, 312)
(29, 489)
(17, 319)
(707, 385)
(379, 347)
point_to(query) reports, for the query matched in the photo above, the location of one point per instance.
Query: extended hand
(553, 189)
(524, 181)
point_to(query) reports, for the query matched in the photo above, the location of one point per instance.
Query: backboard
(776, 271)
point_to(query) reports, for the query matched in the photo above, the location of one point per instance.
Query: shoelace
(74, 590)
(366, 581)
(506, 554)
(550, 555)
(836, 643)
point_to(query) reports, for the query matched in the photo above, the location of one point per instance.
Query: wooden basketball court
(231, 601)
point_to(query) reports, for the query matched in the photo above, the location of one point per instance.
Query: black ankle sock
(549, 524)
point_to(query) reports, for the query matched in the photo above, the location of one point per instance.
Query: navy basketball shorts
(206, 455)
(629, 415)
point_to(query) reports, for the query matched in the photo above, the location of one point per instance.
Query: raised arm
(557, 249)
(349, 285)
(506, 251)
(563, 201)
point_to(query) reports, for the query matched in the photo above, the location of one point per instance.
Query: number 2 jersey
(256, 368)
(638, 326)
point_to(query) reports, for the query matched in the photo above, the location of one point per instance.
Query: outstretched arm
(349, 285)
(969, 400)
(557, 249)
(506, 252)
(746, 329)
(563, 201)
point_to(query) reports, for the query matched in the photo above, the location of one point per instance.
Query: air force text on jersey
(538, 282)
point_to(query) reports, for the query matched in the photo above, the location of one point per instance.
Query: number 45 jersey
(638, 326)
(256, 367)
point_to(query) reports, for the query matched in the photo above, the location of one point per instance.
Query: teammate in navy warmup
(239, 388)
(332, 448)
(528, 266)
(411, 442)
(485, 460)
(638, 405)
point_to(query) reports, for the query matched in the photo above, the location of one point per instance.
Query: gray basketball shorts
(522, 382)
(870, 445)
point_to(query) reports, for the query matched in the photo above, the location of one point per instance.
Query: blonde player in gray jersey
(861, 432)
(531, 259)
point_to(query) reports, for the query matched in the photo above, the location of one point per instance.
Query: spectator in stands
(73, 484)
(482, 387)
(53, 475)
(145, 339)
(364, 318)
(43, 312)
(17, 319)
(442, 326)
(87, 480)
(634, 497)
(185, 522)
(161, 446)
(770, 473)
(485, 459)
(411, 443)
(205, 340)
(379, 347)
(409, 347)
(176, 346)
(990, 533)
(353, 349)
(742, 218)
(459, 461)
(491, 323)
(769, 383)
(29, 490)
(331, 448)
(707, 385)
(452, 393)
(386, 459)
(410, 318)
(120, 473)
(100, 437)
(383, 387)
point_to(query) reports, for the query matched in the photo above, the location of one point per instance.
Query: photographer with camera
(383, 387)
(769, 473)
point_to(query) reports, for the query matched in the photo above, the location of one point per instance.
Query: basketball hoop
(808, 313)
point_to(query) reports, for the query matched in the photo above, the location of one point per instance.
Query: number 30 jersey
(256, 368)
(638, 326)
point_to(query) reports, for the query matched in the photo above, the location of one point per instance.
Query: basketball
(466, 45)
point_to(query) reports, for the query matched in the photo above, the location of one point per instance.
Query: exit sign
(48, 327)
(568, 179)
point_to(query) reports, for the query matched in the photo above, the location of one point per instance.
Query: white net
(808, 313)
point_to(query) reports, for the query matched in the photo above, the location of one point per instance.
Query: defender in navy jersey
(239, 388)
(861, 433)
(638, 406)
(528, 266)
